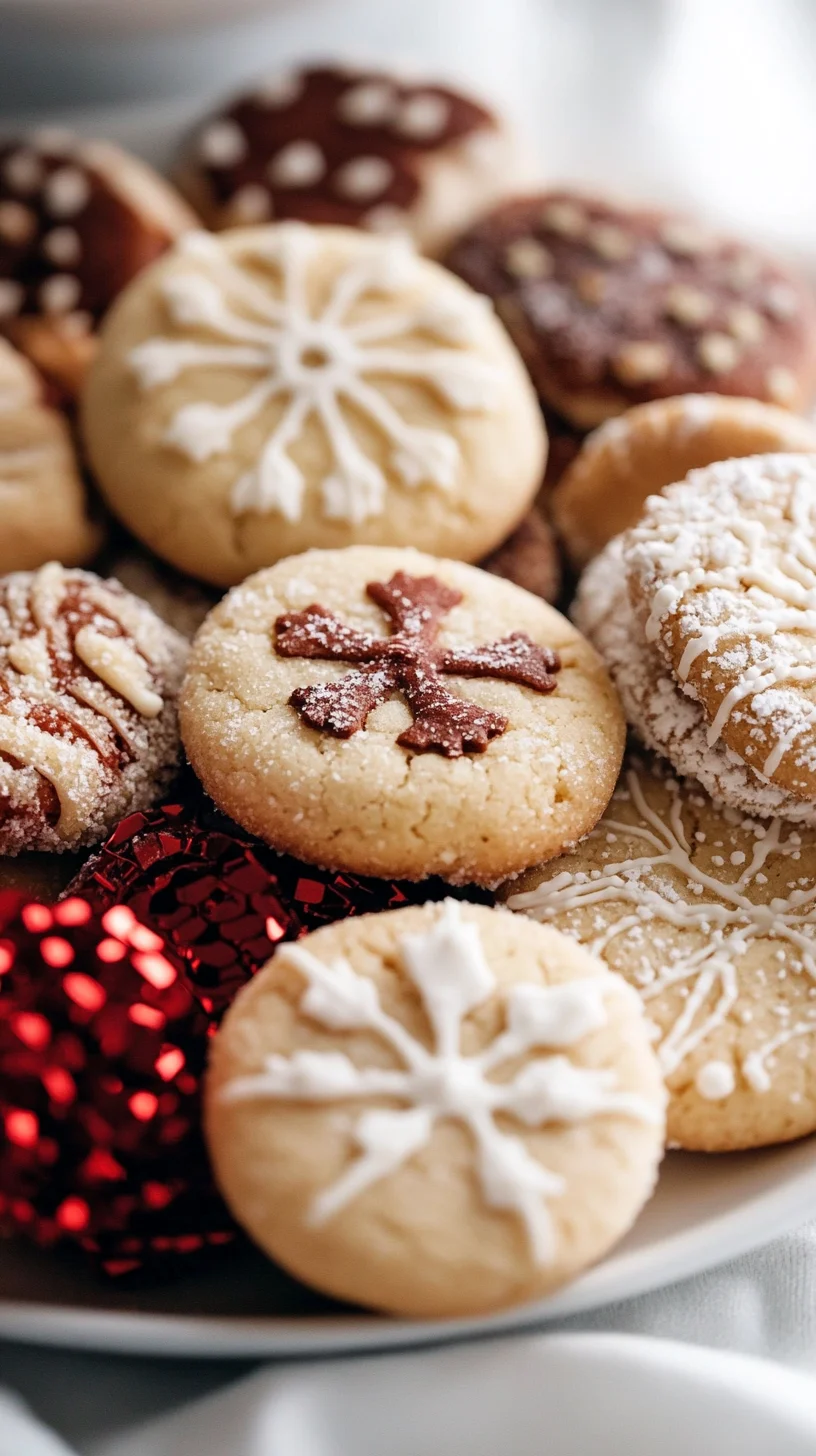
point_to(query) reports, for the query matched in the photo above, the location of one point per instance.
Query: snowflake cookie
(284, 387)
(89, 678)
(438, 1110)
(354, 147)
(712, 917)
(388, 713)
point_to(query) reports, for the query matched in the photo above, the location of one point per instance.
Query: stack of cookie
(443, 1108)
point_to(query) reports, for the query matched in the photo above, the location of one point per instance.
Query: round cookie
(663, 717)
(387, 713)
(529, 558)
(722, 574)
(353, 148)
(359, 1134)
(43, 503)
(612, 306)
(279, 388)
(88, 685)
(639, 453)
(712, 917)
(78, 220)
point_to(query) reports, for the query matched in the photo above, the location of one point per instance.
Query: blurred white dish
(705, 1210)
(566, 1395)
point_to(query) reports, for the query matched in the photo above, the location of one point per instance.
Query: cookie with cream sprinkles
(712, 917)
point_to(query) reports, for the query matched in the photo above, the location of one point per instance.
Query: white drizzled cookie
(355, 148)
(88, 685)
(712, 917)
(285, 387)
(78, 220)
(435, 1111)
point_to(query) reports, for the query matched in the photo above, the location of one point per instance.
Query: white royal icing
(447, 965)
(643, 889)
(317, 362)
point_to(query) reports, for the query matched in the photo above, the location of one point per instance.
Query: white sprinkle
(66, 192)
(715, 1081)
(17, 223)
(300, 164)
(363, 177)
(62, 246)
(23, 172)
(222, 144)
(781, 301)
(737, 858)
(371, 103)
(422, 117)
(59, 294)
(251, 203)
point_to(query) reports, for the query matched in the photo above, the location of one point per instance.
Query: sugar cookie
(285, 387)
(712, 917)
(355, 148)
(360, 1136)
(88, 683)
(612, 306)
(388, 713)
(653, 445)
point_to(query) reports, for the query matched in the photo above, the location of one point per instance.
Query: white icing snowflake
(707, 976)
(316, 364)
(448, 967)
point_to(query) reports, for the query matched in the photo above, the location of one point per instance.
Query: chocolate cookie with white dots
(613, 306)
(360, 148)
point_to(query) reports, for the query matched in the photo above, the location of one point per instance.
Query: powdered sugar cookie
(356, 148)
(388, 713)
(529, 558)
(285, 387)
(440, 1110)
(712, 917)
(663, 717)
(78, 220)
(43, 504)
(642, 451)
(612, 306)
(722, 573)
(88, 683)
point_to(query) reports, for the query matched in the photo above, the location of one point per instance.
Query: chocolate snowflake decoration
(412, 663)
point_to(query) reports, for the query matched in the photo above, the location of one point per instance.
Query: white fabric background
(709, 102)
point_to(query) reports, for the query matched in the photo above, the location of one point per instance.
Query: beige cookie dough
(44, 512)
(712, 917)
(721, 572)
(435, 1111)
(653, 445)
(279, 388)
(89, 678)
(368, 803)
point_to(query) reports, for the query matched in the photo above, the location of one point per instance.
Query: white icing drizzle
(729, 555)
(315, 362)
(447, 965)
(644, 889)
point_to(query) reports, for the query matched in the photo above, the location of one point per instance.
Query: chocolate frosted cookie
(613, 306)
(359, 148)
(88, 684)
(78, 220)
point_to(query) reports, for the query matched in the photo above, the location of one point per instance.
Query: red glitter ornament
(101, 1058)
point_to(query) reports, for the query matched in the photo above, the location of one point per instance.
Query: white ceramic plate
(706, 1210)
(647, 1396)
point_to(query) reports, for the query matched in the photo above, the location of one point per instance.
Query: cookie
(88, 684)
(664, 718)
(653, 445)
(387, 713)
(44, 513)
(722, 574)
(612, 306)
(353, 148)
(435, 1111)
(78, 220)
(712, 917)
(529, 558)
(285, 387)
